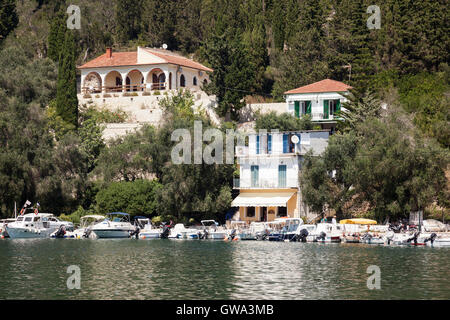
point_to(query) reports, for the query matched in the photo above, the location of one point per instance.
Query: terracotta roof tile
(130, 59)
(182, 61)
(326, 85)
(117, 59)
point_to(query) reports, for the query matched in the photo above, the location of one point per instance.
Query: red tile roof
(179, 60)
(326, 85)
(130, 59)
(117, 59)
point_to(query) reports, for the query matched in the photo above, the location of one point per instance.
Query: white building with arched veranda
(144, 70)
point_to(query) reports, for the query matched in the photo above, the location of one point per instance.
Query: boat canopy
(270, 199)
(358, 221)
(93, 216)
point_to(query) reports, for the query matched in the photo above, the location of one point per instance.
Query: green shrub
(156, 93)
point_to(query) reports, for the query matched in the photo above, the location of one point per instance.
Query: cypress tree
(66, 94)
(56, 36)
(8, 18)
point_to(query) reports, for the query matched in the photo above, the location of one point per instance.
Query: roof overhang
(266, 199)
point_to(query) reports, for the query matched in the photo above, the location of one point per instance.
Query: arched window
(205, 82)
(170, 80)
(182, 81)
(194, 81)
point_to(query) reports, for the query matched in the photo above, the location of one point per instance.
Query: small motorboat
(370, 238)
(145, 229)
(179, 231)
(35, 225)
(86, 222)
(290, 230)
(435, 240)
(241, 231)
(351, 238)
(328, 232)
(259, 230)
(115, 225)
(212, 230)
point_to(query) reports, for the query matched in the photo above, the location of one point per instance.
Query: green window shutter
(338, 106)
(308, 107)
(297, 109)
(326, 109)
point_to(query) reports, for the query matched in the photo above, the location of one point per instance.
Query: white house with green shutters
(322, 100)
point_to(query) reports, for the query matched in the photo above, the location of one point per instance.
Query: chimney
(109, 52)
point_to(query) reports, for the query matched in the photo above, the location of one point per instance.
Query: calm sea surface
(170, 269)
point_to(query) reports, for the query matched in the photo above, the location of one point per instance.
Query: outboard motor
(414, 238)
(302, 235)
(232, 234)
(431, 238)
(61, 232)
(321, 236)
(165, 232)
(135, 233)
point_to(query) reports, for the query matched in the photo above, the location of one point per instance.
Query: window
(282, 212)
(258, 144)
(302, 108)
(194, 81)
(282, 176)
(255, 175)
(182, 81)
(335, 106)
(251, 212)
(288, 145)
(269, 143)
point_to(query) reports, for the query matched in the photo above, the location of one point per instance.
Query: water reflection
(165, 269)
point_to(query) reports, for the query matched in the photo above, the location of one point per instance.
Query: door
(326, 109)
(255, 176)
(263, 215)
(282, 176)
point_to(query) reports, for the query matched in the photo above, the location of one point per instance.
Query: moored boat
(35, 225)
(212, 230)
(115, 225)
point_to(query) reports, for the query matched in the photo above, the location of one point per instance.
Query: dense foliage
(381, 167)
(382, 162)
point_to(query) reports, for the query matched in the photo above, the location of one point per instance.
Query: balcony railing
(125, 88)
(264, 184)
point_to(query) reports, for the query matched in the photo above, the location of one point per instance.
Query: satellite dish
(295, 139)
(164, 46)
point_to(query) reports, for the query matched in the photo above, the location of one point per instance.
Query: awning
(269, 199)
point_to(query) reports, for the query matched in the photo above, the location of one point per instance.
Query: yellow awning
(357, 221)
(269, 199)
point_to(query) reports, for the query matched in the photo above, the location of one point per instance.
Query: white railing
(264, 184)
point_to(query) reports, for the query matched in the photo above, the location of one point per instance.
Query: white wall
(316, 102)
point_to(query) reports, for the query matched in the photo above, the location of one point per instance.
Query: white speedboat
(179, 231)
(435, 240)
(116, 225)
(34, 225)
(370, 238)
(240, 230)
(259, 230)
(86, 222)
(328, 233)
(146, 229)
(212, 230)
(290, 229)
